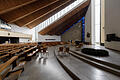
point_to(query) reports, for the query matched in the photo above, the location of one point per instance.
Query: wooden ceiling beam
(62, 26)
(56, 9)
(66, 17)
(66, 26)
(26, 10)
(68, 23)
(39, 14)
(8, 5)
(60, 31)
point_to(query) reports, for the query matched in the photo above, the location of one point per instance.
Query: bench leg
(14, 64)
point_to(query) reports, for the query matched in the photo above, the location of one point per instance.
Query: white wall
(24, 40)
(35, 36)
(88, 24)
(112, 16)
(6, 33)
(102, 21)
(42, 38)
(112, 21)
(34, 32)
(25, 30)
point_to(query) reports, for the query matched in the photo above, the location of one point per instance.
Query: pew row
(14, 65)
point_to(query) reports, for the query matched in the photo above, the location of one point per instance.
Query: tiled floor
(113, 58)
(50, 69)
(85, 71)
(44, 69)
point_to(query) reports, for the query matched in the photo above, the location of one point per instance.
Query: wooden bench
(60, 50)
(29, 56)
(4, 68)
(12, 71)
(53, 43)
(13, 67)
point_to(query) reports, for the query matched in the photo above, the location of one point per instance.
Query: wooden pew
(5, 65)
(15, 55)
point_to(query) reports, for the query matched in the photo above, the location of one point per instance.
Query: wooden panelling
(30, 13)
(40, 13)
(60, 21)
(50, 13)
(68, 23)
(7, 5)
(8, 63)
(26, 10)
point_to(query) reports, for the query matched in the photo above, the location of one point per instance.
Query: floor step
(98, 61)
(98, 65)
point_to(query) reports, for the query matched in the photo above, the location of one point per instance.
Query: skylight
(58, 15)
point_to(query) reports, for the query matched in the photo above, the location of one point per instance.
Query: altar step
(97, 60)
(79, 69)
(106, 66)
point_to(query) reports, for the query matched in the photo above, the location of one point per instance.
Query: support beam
(59, 6)
(26, 10)
(66, 17)
(40, 13)
(8, 5)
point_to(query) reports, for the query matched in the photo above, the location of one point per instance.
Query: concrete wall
(74, 33)
(112, 21)
(88, 25)
(48, 38)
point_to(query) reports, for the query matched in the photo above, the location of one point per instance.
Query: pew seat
(14, 75)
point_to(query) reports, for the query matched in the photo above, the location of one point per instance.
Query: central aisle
(44, 69)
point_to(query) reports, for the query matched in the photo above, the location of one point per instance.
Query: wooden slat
(39, 14)
(61, 30)
(15, 75)
(30, 49)
(68, 23)
(8, 63)
(49, 14)
(65, 27)
(0, 77)
(6, 72)
(4, 56)
(7, 5)
(26, 10)
(1, 65)
(60, 21)
(2, 52)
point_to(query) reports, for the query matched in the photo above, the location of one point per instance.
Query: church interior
(59, 40)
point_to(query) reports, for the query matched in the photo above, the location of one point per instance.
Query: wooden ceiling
(58, 30)
(30, 13)
(58, 27)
